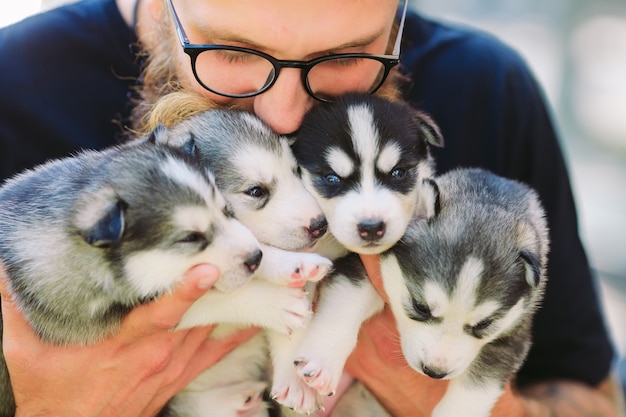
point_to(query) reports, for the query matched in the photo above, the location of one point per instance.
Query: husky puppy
(258, 175)
(86, 238)
(256, 172)
(363, 158)
(463, 284)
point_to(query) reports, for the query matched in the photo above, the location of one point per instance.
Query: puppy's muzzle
(371, 230)
(253, 262)
(434, 372)
(318, 227)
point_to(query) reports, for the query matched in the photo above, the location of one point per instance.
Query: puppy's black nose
(433, 372)
(253, 262)
(371, 230)
(318, 226)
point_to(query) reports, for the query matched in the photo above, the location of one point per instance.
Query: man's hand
(133, 373)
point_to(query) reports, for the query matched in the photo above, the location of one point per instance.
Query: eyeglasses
(238, 72)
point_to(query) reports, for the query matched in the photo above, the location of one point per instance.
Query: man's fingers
(212, 350)
(165, 312)
(19, 328)
(161, 314)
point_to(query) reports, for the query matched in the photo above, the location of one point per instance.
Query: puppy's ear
(101, 219)
(429, 129)
(185, 143)
(428, 200)
(188, 146)
(532, 267)
(530, 251)
(158, 135)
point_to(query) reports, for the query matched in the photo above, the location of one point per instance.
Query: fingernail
(204, 283)
(204, 274)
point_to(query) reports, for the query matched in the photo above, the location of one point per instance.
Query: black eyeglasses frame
(193, 50)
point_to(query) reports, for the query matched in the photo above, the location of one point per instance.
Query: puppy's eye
(192, 237)
(483, 324)
(256, 192)
(332, 179)
(479, 329)
(398, 173)
(421, 312)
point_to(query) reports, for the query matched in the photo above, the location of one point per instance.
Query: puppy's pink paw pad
(316, 377)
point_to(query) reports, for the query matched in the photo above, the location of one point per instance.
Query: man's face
(285, 29)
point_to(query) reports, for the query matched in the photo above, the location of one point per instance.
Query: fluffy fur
(463, 283)
(86, 238)
(258, 175)
(363, 158)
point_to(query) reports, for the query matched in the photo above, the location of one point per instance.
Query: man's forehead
(297, 26)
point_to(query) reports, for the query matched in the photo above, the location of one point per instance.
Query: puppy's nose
(253, 262)
(318, 226)
(371, 229)
(434, 372)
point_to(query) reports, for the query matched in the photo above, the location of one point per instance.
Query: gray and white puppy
(86, 238)
(463, 284)
(258, 175)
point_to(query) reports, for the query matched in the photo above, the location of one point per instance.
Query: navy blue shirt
(66, 77)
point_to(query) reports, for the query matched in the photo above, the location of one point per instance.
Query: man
(69, 75)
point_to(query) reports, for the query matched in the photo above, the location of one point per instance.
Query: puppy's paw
(312, 267)
(289, 310)
(317, 376)
(294, 269)
(297, 395)
(250, 398)
(234, 399)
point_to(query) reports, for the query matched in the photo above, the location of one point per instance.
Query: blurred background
(577, 50)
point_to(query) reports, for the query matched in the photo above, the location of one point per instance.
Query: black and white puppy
(363, 158)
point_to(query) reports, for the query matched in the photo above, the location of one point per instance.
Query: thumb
(165, 312)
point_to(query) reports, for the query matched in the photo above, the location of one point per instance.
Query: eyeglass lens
(240, 73)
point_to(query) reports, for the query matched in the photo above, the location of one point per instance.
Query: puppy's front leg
(347, 299)
(465, 397)
(288, 388)
(257, 303)
(293, 269)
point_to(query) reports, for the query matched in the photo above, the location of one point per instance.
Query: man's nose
(283, 106)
